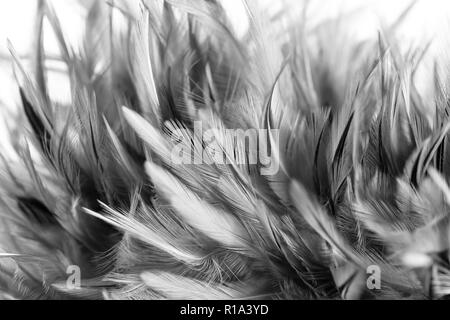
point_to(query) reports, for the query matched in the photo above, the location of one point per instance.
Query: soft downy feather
(362, 157)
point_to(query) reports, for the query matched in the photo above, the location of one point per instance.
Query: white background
(428, 20)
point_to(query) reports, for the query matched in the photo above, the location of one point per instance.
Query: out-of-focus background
(428, 20)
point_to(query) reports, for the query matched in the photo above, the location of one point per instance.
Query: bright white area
(428, 20)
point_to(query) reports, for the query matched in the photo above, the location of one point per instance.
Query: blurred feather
(362, 159)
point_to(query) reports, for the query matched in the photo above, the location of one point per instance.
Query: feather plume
(359, 157)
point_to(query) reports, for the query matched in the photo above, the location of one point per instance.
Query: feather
(146, 234)
(362, 158)
(218, 225)
(179, 288)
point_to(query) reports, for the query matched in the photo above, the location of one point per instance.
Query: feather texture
(361, 157)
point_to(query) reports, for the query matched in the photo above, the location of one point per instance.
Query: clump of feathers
(363, 158)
